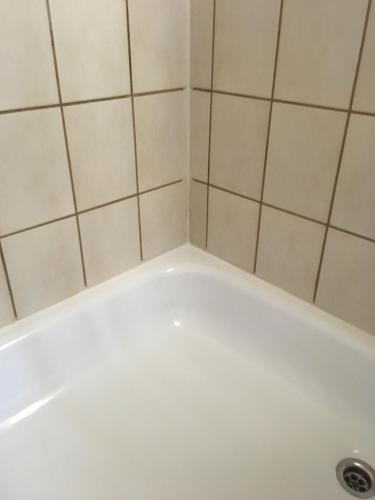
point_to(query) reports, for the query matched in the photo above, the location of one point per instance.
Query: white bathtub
(184, 379)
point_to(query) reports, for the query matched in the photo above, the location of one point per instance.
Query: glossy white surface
(182, 379)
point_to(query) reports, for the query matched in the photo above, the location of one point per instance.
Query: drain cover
(356, 477)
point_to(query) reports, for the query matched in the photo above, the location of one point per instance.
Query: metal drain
(356, 477)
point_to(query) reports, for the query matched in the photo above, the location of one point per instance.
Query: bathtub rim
(188, 259)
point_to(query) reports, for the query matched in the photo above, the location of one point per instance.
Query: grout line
(362, 113)
(150, 190)
(201, 89)
(284, 210)
(200, 181)
(210, 118)
(66, 138)
(310, 105)
(358, 65)
(36, 226)
(86, 210)
(81, 248)
(188, 131)
(153, 92)
(28, 108)
(107, 204)
(89, 101)
(180, 89)
(129, 197)
(249, 198)
(6, 273)
(236, 94)
(74, 196)
(286, 101)
(254, 200)
(95, 99)
(134, 128)
(351, 233)
(268, 133)
(290, 212)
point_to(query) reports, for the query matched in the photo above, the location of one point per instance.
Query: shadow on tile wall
(282, 145)
(93, 137)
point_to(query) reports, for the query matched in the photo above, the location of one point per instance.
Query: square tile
(92, 48)
(346, 287)
(110, 240)
(245, 45)
(101, 144)
(6, 311)
(319, 48)
(159, 42)
(162, 138)
(198, 214)
(232, 228)
(26, 60)
(365, 92)
(354, 206)
(44, 265)
(163, 219)
(238, 143)
(303, 154)
(289, 252)
(199, 134)
(201, 20)
(35, 183)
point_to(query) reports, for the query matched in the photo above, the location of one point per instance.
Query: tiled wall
(283, 145)
(93, 141)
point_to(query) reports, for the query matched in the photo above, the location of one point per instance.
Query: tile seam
(210, 118)
(8, 282)
(128, 31)
(67, 150)
(286, 101)
(87, 210)
(342, 148)
(89, 101)
(290, 212)
(277, 49)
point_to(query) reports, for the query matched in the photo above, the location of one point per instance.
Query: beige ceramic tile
(238, 143)
(319, 49)
(201, 14)
(365, 92)
(6, 312)
(44, 265)
(110, 240)
(199, 134)
(92, 48)
(289, 252)
(163, 219)
(346, 286)
(198, 213)
(232, 228)
(101, 147)
(159, 42)
(303, 154)
(245, 45)
(354, 206)
(26, 61)
(35, 184)
(161, 128)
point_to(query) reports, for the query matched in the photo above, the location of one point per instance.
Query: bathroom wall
(93, 141)
(283, 145)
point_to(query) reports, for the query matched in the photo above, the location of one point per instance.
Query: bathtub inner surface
(172, 384)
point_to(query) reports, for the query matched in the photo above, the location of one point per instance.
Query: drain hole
(356, 477)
